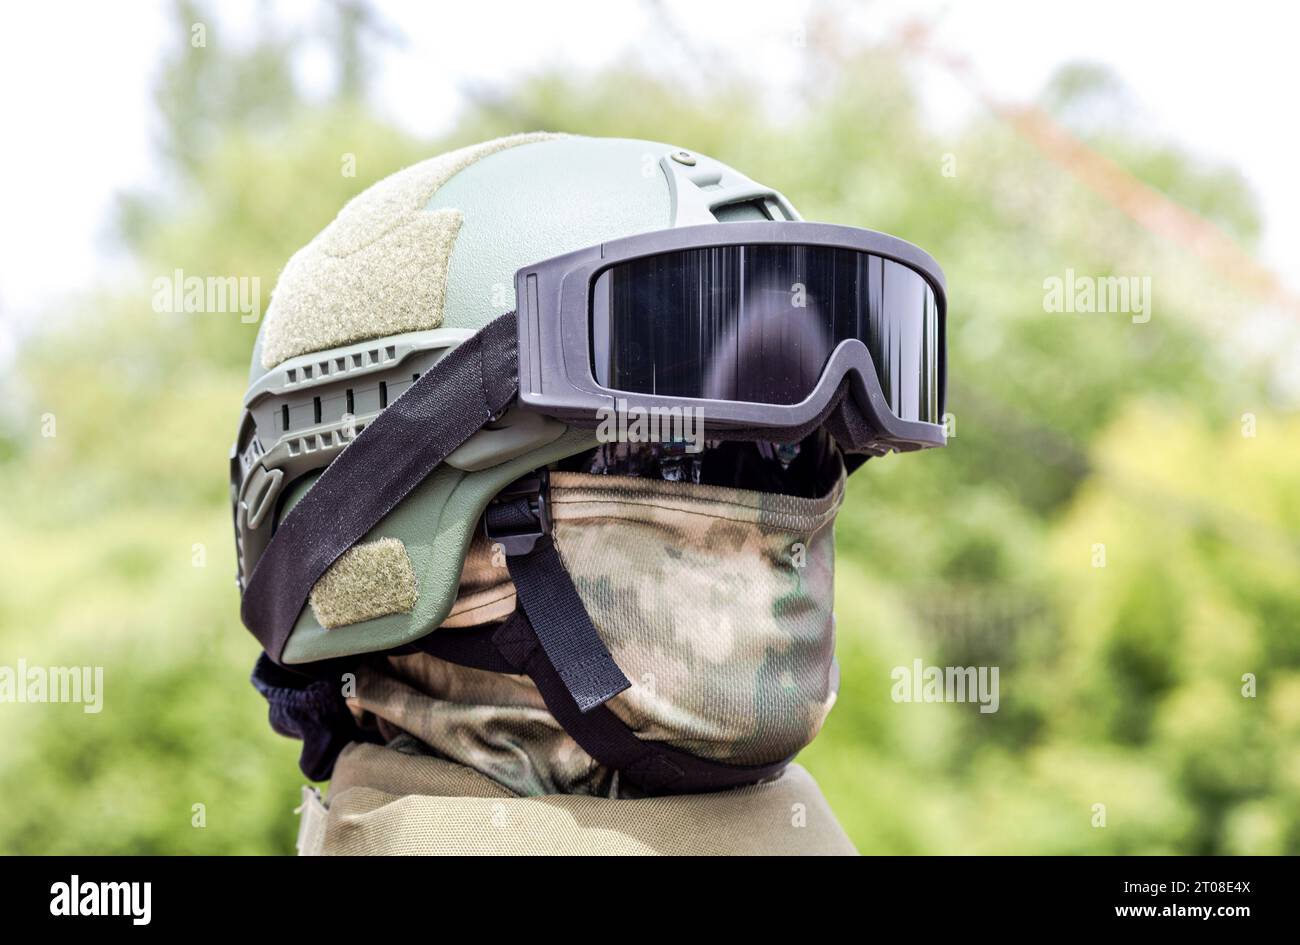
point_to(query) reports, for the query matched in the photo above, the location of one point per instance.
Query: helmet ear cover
(466, 389)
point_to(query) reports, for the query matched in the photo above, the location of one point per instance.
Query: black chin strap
(517, 522)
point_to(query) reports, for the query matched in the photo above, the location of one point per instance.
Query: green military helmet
(412, 266)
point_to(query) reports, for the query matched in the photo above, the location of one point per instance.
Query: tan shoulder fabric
(380, 268)
(453, 810)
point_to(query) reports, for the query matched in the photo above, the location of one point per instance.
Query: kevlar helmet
(488, 318)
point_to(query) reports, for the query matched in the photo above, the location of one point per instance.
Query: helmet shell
(518, 201)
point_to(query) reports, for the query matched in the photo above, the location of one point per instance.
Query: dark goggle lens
(757, 323)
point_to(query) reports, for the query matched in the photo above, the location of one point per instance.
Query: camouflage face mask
(715, 602)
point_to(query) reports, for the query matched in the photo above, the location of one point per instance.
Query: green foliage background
(1119, 685)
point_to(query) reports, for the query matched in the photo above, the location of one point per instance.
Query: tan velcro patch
(380, 268)
(367, 581)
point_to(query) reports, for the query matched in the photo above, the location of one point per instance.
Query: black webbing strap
(451, 402)
(545, 592)
(654, 767)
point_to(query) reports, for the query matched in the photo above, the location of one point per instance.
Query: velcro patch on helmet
(380, 268)
(370, 580)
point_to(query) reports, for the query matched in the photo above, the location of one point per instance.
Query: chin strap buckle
(520, 514)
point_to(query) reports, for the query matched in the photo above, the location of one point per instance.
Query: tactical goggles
(763, 327)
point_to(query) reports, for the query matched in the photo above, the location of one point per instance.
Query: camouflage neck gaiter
(715, 602)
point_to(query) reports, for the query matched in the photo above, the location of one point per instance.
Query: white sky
(76, 111)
